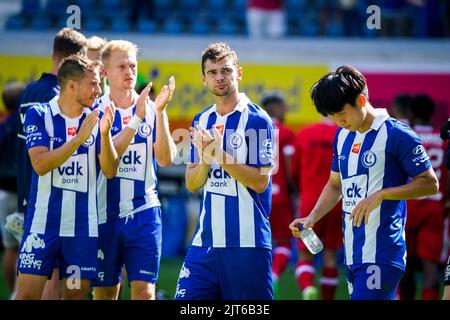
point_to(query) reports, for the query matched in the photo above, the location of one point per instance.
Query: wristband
(134, 122)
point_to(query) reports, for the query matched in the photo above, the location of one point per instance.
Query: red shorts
(281, 216)
(425, 230)
(328, 229)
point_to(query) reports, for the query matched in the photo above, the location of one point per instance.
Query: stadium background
(170, 41)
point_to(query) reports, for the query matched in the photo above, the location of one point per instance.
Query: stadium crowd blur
(329, 18)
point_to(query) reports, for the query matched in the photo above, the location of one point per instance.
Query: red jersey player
(425, 217)
(311, 166)
(282, 210)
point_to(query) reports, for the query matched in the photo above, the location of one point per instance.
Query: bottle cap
(300, 226)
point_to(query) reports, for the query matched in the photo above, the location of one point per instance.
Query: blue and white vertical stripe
(134, 188)
(64, 200)
(231, 214)
(384, 156)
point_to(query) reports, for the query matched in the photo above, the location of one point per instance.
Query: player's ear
(203, 79)
(239, 73)
(71, 84)
(361, 100)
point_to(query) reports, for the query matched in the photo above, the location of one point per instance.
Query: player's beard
(223, 93)
(85, 102)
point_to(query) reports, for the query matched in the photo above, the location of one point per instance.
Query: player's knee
(28, 295)
(105, 293)
(143, 291)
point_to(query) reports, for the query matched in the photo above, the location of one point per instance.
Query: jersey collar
(57, 110)
(380, 118)
(242, 103)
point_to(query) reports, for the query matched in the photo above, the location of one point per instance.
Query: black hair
(270, 98)
(422, 107)
(337, 88)
(401, 104)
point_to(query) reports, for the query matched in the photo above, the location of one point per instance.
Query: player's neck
(226, 104)
(55, 68)
(69, 107)
(368, 120)
(122, 98)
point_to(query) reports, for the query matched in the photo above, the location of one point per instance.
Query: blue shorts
(75, 257)
(372, 281)
(225, 274)
(133, 241)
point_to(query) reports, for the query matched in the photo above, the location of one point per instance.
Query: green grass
(170, 268)
(168, 276)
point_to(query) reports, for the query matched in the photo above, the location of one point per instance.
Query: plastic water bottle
(14, 225)
(310, 239)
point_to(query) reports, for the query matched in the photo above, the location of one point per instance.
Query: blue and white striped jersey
(63, 201)
(42, 90)
(134, 187)
(384, 156)
(232, 215)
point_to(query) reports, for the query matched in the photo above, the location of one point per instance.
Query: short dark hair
(68, 42)
(216, 52)
(270, 98)
(11, 94)
(335, 89)
(75, 68)
(401, 104)
(422, 107)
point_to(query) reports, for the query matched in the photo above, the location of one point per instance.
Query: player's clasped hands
(88, 124)
(107, 119)
(143, 100)
(208, 147)
(165, 95)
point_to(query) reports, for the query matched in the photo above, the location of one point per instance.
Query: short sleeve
(409, 151)
(35, 133)
(335, 159)
(194, 157)
(261, 140)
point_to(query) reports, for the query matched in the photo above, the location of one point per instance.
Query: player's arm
(165, 148)
(196, 175)
(329, 198)
(256, 179)
(123, 139)
(424, 184)
(44, 160)
(108, 157)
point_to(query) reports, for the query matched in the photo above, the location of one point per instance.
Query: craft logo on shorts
(126, 119)
(369, 159)
(71, 131)
(144, 130)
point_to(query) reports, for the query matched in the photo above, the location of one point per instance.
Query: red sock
(430, 294)
(304, 272)
(280, 260)
(328, 283)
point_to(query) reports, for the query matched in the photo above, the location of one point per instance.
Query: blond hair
(118, 45)
(95, 43)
